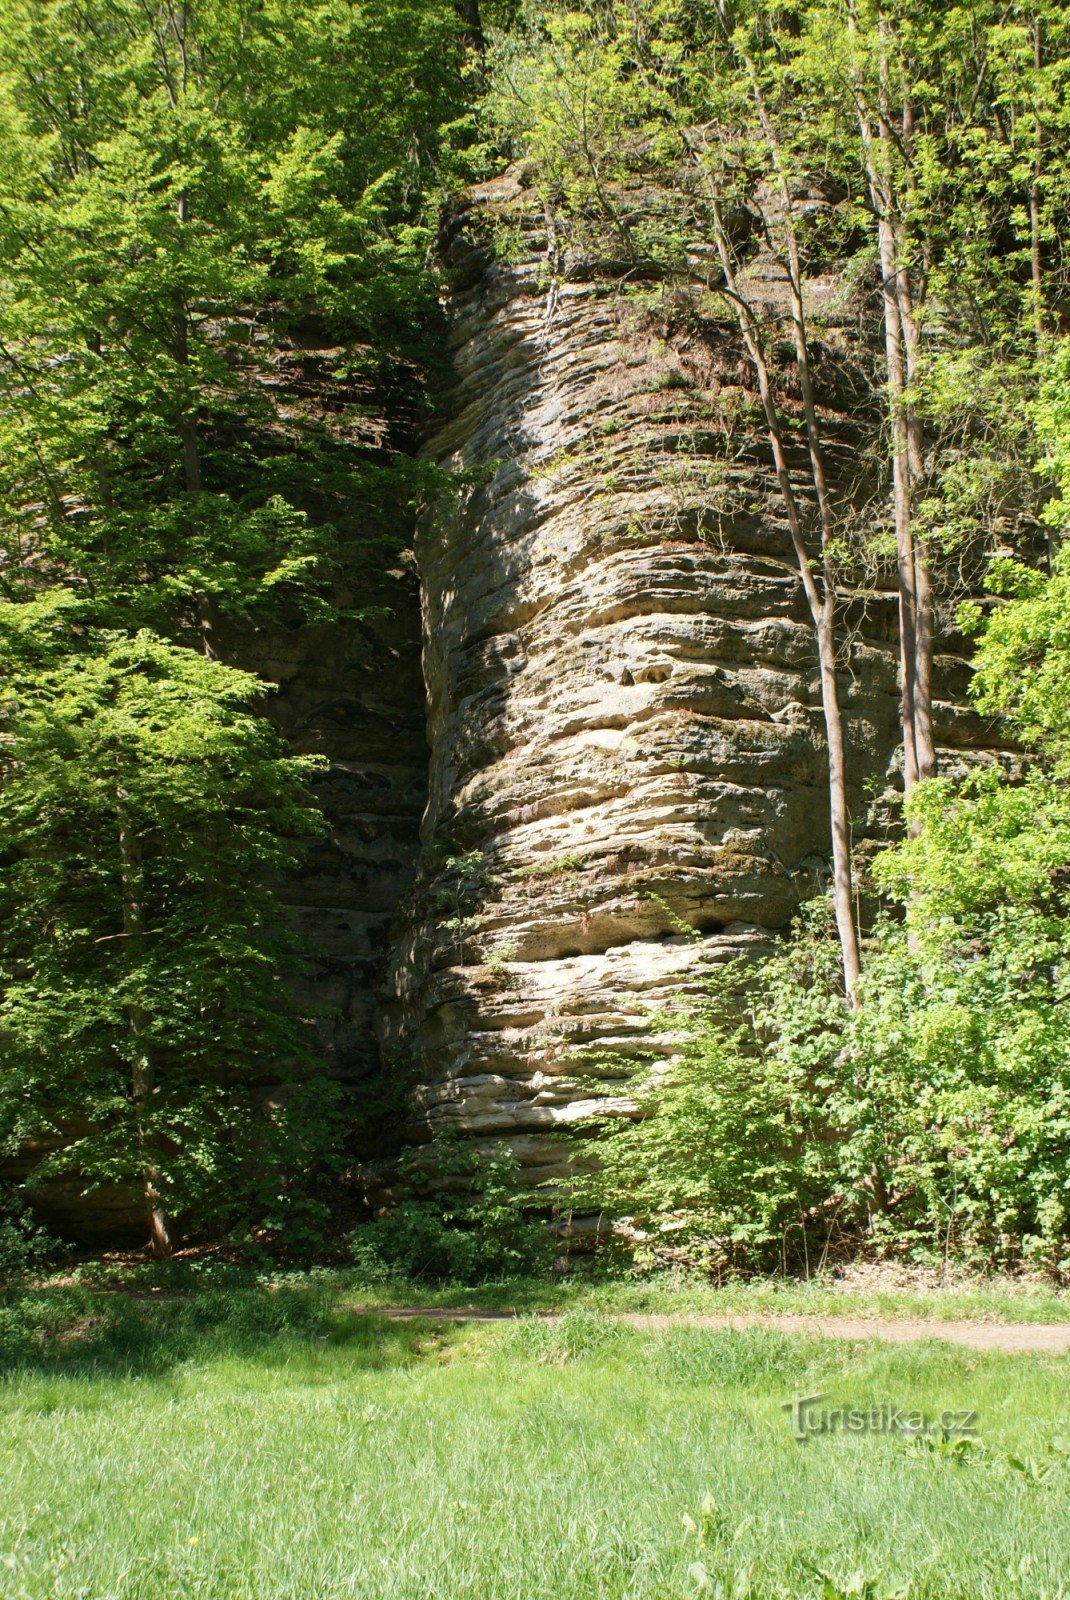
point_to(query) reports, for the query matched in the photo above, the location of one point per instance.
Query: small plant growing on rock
(497, 962)
(552, 868)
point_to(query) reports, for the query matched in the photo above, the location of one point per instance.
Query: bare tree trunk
(825, 616)
(925, 628)
(902, 348)
(143, 1069)
(902, 496)
(822, 607)
(1035, 257)
(839, 810)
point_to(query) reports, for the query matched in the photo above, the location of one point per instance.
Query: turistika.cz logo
(811, 1418)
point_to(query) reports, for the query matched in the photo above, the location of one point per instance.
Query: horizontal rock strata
(627, 783)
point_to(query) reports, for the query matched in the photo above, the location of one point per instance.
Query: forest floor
(268, 1442)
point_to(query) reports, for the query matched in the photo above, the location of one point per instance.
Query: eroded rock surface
(627, 784)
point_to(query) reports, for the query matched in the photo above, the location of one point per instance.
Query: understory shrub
(24, 1245)
(474, 1228)
(934, 1116)
(930, 1119)
(712, 1172)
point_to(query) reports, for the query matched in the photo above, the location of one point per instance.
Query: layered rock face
(628, 777)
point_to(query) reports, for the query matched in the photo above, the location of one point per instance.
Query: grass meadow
(268, 1444)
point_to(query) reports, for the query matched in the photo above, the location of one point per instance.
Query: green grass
(1001, 1299)
(253, 1443)
(878, 1292)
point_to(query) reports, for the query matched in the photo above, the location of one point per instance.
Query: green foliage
(478, 1227)
(143, 804)
(24, 1245)
(932, 1119)
(709, 1170)
(933, 1114)
(215, 226)
(1023, 666)
(755, 102)
(230, 177)
(942, 1099)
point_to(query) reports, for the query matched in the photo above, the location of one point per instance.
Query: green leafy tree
(193, 196)
(184, 189)
(143, 804)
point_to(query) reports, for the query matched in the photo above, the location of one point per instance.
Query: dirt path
(1015, 1338)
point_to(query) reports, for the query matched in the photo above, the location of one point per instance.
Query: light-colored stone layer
(624, 714)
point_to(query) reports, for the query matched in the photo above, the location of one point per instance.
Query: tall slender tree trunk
(902, 498)
(839, 809)
(822, 605)
(925, 628)
(902, 352)
(143, 1069)
(1036, 260)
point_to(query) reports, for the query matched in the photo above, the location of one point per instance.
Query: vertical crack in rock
(628, 776)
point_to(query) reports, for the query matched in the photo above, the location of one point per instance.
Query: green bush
(24, 1246)
(475, 1229)
(936, 1114)
(711, 1173)
(931, 1119)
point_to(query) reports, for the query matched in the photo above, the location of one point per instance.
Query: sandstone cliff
(627, 773)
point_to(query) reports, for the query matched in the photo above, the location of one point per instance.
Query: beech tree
(142, 803)
(944, 123)
(187, 192)
(183, 188)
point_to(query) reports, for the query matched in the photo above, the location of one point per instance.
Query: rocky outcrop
(627, 781)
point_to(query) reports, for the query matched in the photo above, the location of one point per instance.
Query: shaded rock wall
(350, 691)
(354, 694)
(627, 781)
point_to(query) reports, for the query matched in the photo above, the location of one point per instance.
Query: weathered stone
(627, 755)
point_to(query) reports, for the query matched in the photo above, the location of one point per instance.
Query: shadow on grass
(83, 1333)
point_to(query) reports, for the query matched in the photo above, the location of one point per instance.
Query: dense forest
(193, 194)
